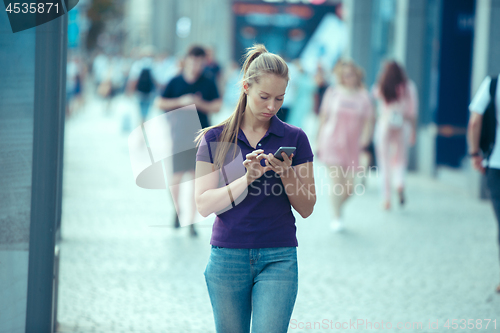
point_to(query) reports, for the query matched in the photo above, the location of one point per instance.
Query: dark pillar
(50, 63)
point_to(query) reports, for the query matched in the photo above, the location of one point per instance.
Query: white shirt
(479, 104)
(165, 70)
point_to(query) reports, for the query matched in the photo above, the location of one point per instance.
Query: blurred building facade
(447, 47)
(171, 26)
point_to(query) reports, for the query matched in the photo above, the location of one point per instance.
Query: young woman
(396, 127)
(252, 270)
(346, 121)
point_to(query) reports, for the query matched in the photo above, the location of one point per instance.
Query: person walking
(483, 134)
(346, 116)
(189, 87)
(291, 92)
(142, 81)
(395, 129)
(252, 273)
(304, 99)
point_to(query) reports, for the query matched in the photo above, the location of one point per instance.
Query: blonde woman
(346, 118)
(252, 271)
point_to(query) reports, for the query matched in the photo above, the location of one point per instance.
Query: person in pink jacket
(396, 127)
(346, 118)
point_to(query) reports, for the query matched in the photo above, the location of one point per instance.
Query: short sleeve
(205, 152)
(482, 98)
(304, 153)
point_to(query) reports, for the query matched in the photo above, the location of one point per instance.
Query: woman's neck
(250, 122)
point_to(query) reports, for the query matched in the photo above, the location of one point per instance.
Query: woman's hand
(252, 163)
(280, 167)
(477, 163)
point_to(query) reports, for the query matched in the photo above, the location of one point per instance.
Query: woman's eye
(263, 97)
(279, 99)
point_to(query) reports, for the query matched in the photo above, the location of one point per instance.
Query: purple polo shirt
(262, 218)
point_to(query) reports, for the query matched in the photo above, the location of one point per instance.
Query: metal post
(45, 191)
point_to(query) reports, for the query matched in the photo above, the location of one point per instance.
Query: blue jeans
(263, 281)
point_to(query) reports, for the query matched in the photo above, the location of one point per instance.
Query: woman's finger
(250, 156)
(254, 153)
(274, 161)
(257, 152)
(261, 156)
(286, 158)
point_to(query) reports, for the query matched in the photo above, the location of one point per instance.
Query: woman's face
(349, 77)
(266, 97)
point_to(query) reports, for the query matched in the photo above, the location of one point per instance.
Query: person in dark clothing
(486, 97)
(190, 87)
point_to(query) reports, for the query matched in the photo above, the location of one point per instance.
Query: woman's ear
(245, 87)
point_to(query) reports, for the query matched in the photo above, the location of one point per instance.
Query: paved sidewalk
(435, 260)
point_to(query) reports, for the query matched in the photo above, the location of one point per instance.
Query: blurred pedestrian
(252, 271)
(396, 127)
(304, 99)
(100, 68)
(119, 74)
(212, 69)
(322, 84)
(346, 114)
(483, 137)
(189, 87)
(142, 81)
(232, 81)
(291, 92)
(165, 69)
(75, 73)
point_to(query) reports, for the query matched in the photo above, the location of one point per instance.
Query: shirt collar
(277, 127)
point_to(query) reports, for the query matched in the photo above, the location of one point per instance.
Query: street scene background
(87, 245)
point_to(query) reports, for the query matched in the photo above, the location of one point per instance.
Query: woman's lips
(267, 114)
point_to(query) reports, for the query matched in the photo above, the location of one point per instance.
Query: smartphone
(288, 150)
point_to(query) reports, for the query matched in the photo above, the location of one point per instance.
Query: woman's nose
(271, 106)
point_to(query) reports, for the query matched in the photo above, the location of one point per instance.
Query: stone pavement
(122, 271)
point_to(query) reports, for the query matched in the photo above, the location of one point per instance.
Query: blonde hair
(341, 65)
(258, 62)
